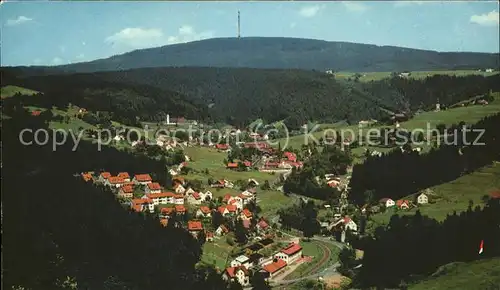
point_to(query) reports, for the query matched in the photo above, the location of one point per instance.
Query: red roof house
(275, 266)
(195, 226)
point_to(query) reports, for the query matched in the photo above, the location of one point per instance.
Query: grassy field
(211, 159)
(470, 114)
(482, 274)
(208, 158)
(452, 196)
(216, 253)
(314, 250)
(9, 91)
(375, 76)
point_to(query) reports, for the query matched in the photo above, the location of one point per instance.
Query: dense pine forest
(60, 232)
(239, 96)
(410, 171)
(410, 248)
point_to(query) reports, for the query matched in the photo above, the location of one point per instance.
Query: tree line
(410, 248)
(397, 174)
(60, 232)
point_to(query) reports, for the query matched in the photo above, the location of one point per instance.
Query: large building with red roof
(275, 267)
(290, 253)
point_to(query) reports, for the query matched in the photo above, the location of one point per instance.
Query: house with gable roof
(387, 202)
(125, 176)
(204, 212)
(290, 253)
(403, 204)
(142, 179)
(221, 230)
(194, 198)
(237, 274)
(246, 214)
(153, 187)
(195, 227)
(103, 177)
(422, 199)
(114, 181)
(126, 191)
(275, 268)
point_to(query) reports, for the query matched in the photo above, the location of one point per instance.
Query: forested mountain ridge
(287, 53)
(238, 96)
(63, 233)
(128, 102)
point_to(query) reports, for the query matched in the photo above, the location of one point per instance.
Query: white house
(189, 191)
(160, 198)
(223, 210)
(422, 199)
(125, 176)
(178, 199)
(237, 202)
(387, 202)
(194, 198)
(350, 224)
(238, 274)
(153, 187)
(103, 177)
(207, 196)
(246, 214)
(253, 182)
(203, 212)
(114, 181)
(142, 179)
(241, 261)
(290, 253)
(179, 189)
(141, 204)
(221, 230)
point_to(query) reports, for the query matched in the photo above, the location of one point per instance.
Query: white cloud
(80, 56)
(19, 20)
(355, 7)
(487, 19)
(137, 38)
(84, 43)
(310, 11)
(57, 60)
(293, 24)
(187, 33)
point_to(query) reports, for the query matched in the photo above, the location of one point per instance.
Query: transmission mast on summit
(238, 23)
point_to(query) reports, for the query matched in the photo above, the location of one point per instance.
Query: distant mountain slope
(288, 53)
(239, 96)
(125, 101)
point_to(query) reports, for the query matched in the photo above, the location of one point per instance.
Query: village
(216, 218)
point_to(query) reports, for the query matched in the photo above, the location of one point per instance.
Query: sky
(54, 33)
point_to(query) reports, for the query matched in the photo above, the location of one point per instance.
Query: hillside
(482, 274)
(289, 53)
(122, 102)
(236, 96)
(239, 96)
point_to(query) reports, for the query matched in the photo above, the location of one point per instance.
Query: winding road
(332, 269)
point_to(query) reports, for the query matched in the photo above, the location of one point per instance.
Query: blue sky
(51, 33)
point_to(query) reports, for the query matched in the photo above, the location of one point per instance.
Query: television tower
(238, 23)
